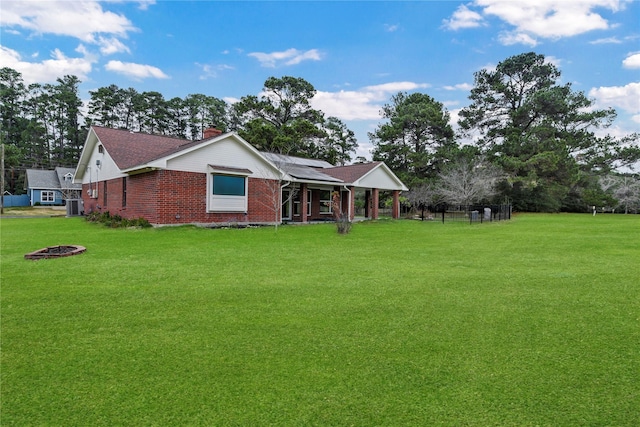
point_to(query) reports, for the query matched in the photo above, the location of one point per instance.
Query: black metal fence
(471, 213)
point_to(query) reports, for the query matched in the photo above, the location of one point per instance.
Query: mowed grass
(535, 321)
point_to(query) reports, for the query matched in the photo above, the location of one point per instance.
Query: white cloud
(606, 40)
(532, 19)
(363, 104)
(396, 87)
(144, 4)
(111, 45)
(84, 20)
(211, 71)
(459, 86)
(313, 55)
(49, 69)
(391, 28)
(288, 57)
(632, 61)
(625, 97)
(348, 105)
(550, 18)
(463, 17)
(510, 38)
(230, 100)
(135, 71)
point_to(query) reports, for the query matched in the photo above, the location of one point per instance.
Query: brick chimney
(211, 133)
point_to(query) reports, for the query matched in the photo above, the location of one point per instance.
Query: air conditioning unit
(75, 207)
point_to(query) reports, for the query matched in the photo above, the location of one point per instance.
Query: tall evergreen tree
(338, 144)
(416, 139)
(533, 128)
(204, 112)
(280, 120)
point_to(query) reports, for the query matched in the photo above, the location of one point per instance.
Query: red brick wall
(175, 197)
(375, 203)
(262, 194)
(89, 203)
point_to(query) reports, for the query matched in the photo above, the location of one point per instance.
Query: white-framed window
(229, 185)
(296, 204)
(227, 190)
(286, 204)
(47, 196)
(325, 201)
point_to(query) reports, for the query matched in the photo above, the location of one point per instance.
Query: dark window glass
(225, 185)
(124, 191)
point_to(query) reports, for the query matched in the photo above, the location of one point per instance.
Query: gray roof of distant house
(50, 179)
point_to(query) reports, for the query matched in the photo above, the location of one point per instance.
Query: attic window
(100, 149)
(68, 177)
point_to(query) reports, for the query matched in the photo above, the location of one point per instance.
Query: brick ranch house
(219, 180)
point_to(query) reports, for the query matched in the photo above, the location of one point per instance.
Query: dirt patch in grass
(35, 211)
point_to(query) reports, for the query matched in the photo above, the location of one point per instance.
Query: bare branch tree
(423, 196)
(628, 193)
(468, 182)
(274, 199)
(608, 182)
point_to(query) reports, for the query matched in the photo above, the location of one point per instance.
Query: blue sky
(357, 54)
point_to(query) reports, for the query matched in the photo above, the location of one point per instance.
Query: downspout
(349, 204)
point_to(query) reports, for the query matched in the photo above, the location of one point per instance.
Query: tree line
(529, 140)
(531, 143)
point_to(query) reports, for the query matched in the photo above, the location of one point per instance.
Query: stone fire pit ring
(55, 252)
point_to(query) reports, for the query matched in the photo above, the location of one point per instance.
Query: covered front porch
(306, 203)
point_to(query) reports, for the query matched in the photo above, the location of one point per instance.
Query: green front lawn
(535, 321)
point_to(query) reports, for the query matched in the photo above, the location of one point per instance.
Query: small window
(68, 177)
(227, 185)
(47, 197)
(100, 149)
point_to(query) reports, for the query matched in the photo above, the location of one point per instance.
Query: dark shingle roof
(351, 173)
(130, 149)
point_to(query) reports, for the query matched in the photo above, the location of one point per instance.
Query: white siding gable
(380, 178)
(100, 167)
(227, 152)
